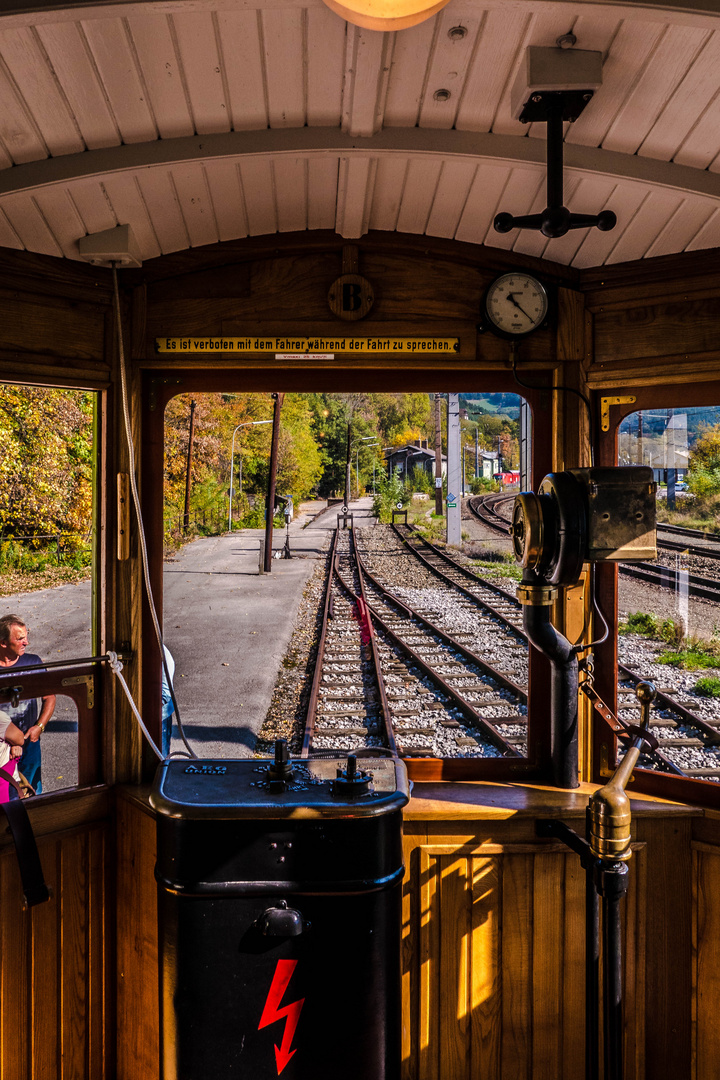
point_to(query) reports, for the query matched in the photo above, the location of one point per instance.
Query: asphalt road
(227, 626)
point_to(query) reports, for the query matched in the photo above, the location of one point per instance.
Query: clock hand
(511, 298)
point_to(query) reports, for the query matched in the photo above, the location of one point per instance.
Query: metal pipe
(563, 689)
(613, 885)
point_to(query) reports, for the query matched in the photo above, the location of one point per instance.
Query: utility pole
(191, 437)
(477, 452)
(348, 467)
(453, 471)
(438, 457)
(270, 504)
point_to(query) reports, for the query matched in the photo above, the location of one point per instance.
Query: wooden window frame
(159, 385)
(682, 789)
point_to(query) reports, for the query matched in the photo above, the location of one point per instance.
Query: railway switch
(267, 874)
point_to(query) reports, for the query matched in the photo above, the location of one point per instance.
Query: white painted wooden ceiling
(197, 121)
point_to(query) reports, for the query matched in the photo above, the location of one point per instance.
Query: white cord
(141, 534)
(116, 667)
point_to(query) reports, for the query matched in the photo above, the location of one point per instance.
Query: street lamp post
(246, 423)
(365, 439)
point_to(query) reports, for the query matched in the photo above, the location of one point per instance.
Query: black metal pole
(612, 880)
(592, 969)
(555, 155)
(270, 504)
(563, 693)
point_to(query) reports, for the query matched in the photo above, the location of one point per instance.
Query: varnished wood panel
(53, 963)
(648, 330)
(52, 329)
(501, 962)
(706, 961)
(138, 1045)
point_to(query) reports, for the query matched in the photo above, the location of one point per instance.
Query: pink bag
(7, 780)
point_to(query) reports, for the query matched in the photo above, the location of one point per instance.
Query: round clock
(515, 304)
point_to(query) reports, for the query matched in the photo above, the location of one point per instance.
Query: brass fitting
(536, 595)
(610, 817)
(527, 529)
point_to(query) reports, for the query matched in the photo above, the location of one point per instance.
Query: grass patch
(708, 686)
(500, 569)
(649, 626)
(695, 656)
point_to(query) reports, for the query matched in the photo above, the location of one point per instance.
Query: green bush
(708, 686)
(704, 482)
(390, 492)
(638, 622)
(420, 480)
(481, 485)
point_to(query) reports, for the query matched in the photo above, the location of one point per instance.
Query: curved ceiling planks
(198, 122)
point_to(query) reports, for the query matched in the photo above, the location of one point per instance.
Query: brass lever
(610, 807)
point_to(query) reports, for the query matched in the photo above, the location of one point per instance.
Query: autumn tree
(46, 464)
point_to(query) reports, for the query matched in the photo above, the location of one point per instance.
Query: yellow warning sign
(304, 346)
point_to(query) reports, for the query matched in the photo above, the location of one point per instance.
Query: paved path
(227, 626)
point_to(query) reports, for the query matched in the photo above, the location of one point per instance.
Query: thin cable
(569, 389)
(577, 648)
(116, 667)
(141, 533)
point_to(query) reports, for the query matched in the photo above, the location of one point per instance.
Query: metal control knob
(281, 921)
(350, 782)
(279, 771)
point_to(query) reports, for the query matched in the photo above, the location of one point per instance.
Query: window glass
(47, 543)
(375, 454)
(669, 610)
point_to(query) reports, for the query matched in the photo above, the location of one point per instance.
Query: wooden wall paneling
(138, 1043)
(573, 970)
(453, 967)
(485, 969)
(428, 948)
(52, 329)
(53, 1012)
(517, 1003)
(16, 1001)
(667, 914)
(706, 960)
(679, 327)
(414, 837)
(46, 935)
(101, 1026)
(547, 965)
(635, 945)
(74, 887)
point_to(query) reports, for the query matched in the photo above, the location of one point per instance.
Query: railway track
(665, 577)
(492, 511)
(689, 745)
(387, 676)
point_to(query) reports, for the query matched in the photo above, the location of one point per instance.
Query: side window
(48, 540)
(669, 610)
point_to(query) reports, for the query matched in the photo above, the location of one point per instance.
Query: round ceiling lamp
(385, 14)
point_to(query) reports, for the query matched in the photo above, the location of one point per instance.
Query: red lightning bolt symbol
(271, 1012)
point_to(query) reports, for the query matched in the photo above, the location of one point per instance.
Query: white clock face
(516, 304)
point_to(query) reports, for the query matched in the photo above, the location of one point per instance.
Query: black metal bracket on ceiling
(554, 107)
